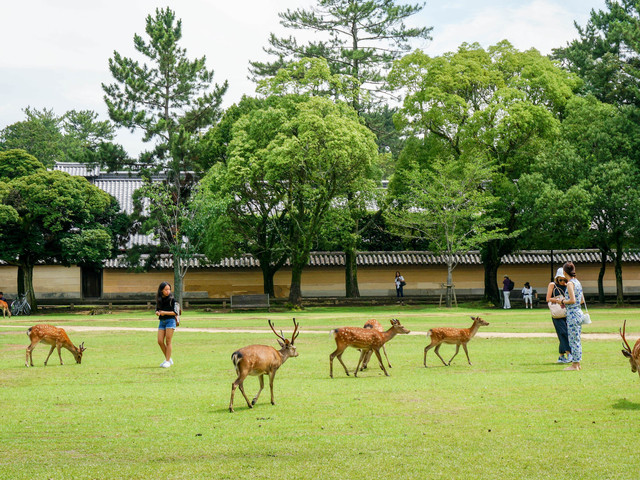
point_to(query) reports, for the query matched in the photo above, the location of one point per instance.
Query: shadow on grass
(624, 404)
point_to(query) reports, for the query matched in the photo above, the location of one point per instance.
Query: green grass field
(513, 414)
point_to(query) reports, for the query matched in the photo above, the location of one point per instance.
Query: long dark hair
(570, 269)
(160, 289)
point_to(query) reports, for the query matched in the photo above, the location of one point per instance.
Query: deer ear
(626, 354)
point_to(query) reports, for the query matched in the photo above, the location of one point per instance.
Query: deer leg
(437, 350)
(377, 352)
(426, 349)
(464, 345)
(363, 353)
(337, 353)
(29, 359)
(454, 355)
(272, 375)
(50, 352)
(60, 353)
(261, 380)
(386, 356)
(365, 362)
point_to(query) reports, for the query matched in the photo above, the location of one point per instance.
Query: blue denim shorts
(168, 323)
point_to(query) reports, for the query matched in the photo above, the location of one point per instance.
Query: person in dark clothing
(165, 310)
(557, 288)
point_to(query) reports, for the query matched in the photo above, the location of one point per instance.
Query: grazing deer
(376, 326)
(262, 360)
(5, 309)
(364, 339)
(56, 337)
(456, 336)
(632, 354)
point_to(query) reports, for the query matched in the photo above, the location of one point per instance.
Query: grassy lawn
(513, 414)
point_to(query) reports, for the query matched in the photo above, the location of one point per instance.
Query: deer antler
(274, 331)
(622, 334)
(295, 331)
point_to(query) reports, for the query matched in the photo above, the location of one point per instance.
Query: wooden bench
(250, 301)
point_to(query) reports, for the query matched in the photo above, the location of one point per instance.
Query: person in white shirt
(527, 295)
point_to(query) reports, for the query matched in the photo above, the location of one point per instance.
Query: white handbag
(557, 310)
(586, 318)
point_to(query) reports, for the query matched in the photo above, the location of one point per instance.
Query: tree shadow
(624, 404)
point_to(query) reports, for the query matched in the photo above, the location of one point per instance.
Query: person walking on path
(572, 299)
(527, 295)
(165, 310)
(557, 288)
(507, 286)
(400, 283)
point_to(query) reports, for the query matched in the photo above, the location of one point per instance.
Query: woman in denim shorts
(165, 310)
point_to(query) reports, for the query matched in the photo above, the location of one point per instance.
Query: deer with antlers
(373, 323)
(454, 336)
(54, 336)
(260, 360)
(364, 339)
(632, 354)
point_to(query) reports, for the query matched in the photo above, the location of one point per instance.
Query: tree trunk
(449, 283)
(603, 269)
(618, 270)
(295, 293)
(21, 288)
(177, 280)
(28, 285)
(267, 280)
(351, 273)
(492, 261)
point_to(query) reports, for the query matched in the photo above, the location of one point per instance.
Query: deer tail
(429, 333)
(334, 332)
(29, 332)
(235, 358)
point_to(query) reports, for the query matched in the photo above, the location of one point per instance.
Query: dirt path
(82, 328)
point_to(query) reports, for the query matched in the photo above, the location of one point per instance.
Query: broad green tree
(18, 163)
(446, 204)
(250, 217)
(50, 216)
(172, 101)
(588, 184)
(498, 106)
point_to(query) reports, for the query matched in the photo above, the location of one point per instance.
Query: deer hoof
(231, 410)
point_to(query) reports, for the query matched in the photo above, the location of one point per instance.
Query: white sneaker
(165, 364)
(171, 361)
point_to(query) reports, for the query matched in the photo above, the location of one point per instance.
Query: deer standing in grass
(5, 308)
(260, 360)
(632, 354)
(364, 339)
(454, 336)
(376, 326)
(54, 336)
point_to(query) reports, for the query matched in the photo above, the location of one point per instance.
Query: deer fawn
(364, 339)
(261, 360)
(56, 337)
(376, 326)
(632, 354)
(456, 336)
(5, 308)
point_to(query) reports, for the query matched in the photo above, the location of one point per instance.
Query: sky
(54, 53)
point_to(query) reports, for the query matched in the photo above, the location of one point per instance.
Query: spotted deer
(364, 339)
(54, 336)
(260, 360)
(633, 354)
(5, 308)
(454, 336)
(376, 326)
